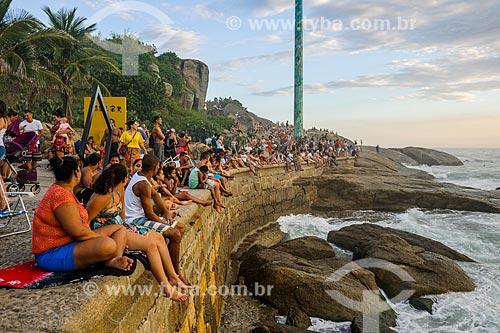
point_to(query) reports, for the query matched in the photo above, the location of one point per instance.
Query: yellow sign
(117, 110)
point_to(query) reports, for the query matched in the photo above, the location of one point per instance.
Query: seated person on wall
(83, 190)
(62, 239)
(217, 178)
(171, 181)
(198, 179)
(185, 168)
(105, 208)
(139, 212)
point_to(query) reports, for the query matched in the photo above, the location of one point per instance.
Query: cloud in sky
(455, 44)
(185, 43)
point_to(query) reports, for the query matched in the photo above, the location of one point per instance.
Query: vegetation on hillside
(48, 67)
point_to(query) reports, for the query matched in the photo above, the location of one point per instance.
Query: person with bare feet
(105, 208)
(62, 239)
(140, 213)
(198, 178)
(171, 181)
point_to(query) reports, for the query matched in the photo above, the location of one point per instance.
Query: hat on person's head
(172, 130)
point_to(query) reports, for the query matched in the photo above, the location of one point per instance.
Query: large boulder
(430, 156)
(357, 235)
(429, 272)
(195, 74)
(298, 283)
(312, 248)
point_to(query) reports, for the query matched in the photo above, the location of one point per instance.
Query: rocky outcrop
(428, 272)
(430, 156)
(195, 74)
(365, 188)
(311, 248)
(306, 284)
(357, 235)
(390, 161)
(169, 90)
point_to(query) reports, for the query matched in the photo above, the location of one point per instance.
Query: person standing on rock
(378, 148)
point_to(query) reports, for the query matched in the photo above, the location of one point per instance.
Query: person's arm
(159, 133)
(144, 191)
(40, 130)
(68, 216)
(97, 203)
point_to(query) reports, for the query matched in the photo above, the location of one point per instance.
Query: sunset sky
(412, 73)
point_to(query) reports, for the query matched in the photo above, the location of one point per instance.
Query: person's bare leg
(93, 251)
(174, 247)
(158, 267)
(119, 234)
(4, 200)
(187, 196)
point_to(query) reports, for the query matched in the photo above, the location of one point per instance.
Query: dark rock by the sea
(422, 303)
(429, 273)
(304, 284)
(356, 235)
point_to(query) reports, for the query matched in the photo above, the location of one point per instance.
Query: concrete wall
(207, 245)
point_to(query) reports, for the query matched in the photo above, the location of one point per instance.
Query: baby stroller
(18, 152)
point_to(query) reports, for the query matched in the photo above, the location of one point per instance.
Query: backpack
(151, 142)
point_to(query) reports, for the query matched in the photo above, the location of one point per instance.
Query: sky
(419, 73)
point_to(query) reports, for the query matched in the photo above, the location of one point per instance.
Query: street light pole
(299, 69)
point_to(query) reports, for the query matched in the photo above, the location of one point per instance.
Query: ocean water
(481, 168)
(474, 234)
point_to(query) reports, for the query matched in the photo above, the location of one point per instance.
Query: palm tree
(22, 40)
(75, 63)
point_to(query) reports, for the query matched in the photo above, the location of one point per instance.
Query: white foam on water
(324, 326)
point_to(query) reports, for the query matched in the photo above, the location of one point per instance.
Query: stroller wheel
(14, 187)
(35, 189)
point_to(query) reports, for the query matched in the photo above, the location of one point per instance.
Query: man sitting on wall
(144, 217)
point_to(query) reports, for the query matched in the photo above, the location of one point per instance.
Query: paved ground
(17, 248)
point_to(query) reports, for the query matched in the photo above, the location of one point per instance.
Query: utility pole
(298, 115)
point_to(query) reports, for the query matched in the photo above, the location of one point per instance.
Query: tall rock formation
(195, 75)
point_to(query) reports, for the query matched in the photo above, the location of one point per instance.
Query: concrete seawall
(207, 245)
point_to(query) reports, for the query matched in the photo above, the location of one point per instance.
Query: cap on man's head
(172, 130)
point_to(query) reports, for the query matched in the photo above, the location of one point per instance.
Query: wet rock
(307, 285)
(353, 236)
(411, 268)
(421, 303)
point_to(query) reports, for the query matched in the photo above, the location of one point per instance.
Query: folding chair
(9, 212)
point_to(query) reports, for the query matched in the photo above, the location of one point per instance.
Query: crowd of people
(93, 212)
